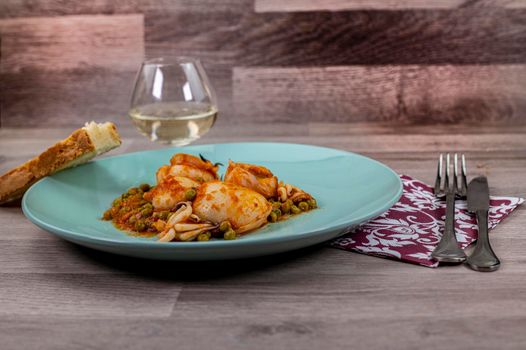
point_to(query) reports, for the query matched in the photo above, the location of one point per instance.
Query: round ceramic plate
(349, 188)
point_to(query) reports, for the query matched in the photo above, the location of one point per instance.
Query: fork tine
(455, 173)
(447, 185)
(438, 179)
(463, 178)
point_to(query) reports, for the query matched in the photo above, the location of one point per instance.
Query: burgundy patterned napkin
(411, 229)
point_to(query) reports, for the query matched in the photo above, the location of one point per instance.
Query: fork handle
(483, 257)
(447, 249)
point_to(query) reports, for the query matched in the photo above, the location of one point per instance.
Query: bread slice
(82, 145)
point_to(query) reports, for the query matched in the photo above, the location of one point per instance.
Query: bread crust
(74, 150)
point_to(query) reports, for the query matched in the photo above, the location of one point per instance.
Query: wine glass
(173, 101)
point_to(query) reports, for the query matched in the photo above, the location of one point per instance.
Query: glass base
(177, 143)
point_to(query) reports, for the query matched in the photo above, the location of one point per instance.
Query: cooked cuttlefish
(192, 167)
(244, 208)
(184, 173)
(255, 177)
(170, 191)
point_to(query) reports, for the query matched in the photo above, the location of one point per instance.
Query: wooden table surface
(56, 295)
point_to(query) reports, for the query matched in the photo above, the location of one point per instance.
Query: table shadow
(17, 202)
(196, 270)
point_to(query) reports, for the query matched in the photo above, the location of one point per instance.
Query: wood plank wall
(63, 62)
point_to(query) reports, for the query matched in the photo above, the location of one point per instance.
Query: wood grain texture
(72, 42)
(93, 296)
(78, 62)
(281, 333)
(385, 37)
(411, 94)
(39, 8)
(54, 295)
(270, 41)
(467, 93)
(67, 70)
(67, 97)
(516, 4)
(459, 36)
(342, 5)
(307, 94)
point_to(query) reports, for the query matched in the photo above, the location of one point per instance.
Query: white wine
(176, 123)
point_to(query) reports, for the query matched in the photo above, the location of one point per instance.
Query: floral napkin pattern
(412, 228)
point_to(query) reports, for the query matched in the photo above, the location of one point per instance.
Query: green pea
(203, 237)
(144, 187)
(230, 234)
(146, 212)
(117, 202)
(124, 210)
(132, 219)
(295, 210)
(285, 207)
(140, 226)
(312, 203)
(277, 211)
(190, 194)
(272, 217)
(133, 190)
(303, 206)
(147, 205)
(225, 226)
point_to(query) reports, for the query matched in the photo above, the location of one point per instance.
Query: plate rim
(192, 246)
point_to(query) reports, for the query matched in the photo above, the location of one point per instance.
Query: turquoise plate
(349, 188)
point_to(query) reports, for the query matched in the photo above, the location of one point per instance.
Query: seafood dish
(190, 202)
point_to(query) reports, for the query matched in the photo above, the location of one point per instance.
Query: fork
(447, 249)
